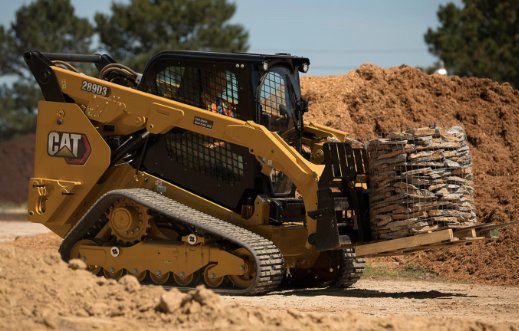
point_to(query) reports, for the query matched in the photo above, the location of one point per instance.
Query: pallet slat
(429, 241)
(406, 242)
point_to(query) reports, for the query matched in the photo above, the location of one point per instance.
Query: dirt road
(382, 297)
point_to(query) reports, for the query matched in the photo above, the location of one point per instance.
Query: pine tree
(43, 25)
(481, 39)
(135, 31)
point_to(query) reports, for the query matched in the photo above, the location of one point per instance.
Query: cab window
(208, 88)
(276, 105)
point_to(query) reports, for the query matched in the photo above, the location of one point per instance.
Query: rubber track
(269, 260)
(350, 270)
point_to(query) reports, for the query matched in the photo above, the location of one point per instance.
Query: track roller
(210, 279)
(112, 273)
(159, 278)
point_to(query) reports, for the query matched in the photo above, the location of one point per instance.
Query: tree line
(480, 38)
(131, 33)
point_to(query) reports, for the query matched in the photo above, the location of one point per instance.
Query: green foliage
(44, 25)
(136, 31)
(132, 34)
(480, 39)
(6, 46)
(47, 26)
(17, 109)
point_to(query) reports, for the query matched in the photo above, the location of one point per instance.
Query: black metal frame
(204, 178)
(344, 163)
(248, 69)
(39, 64)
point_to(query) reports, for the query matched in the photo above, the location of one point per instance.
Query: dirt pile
(39, 291)
(372, 102)
(16, 166)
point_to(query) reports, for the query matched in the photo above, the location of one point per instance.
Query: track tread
(269, 260)
(351, 269)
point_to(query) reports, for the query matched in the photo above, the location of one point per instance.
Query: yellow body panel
(291, 239)
(68, 190)
(170, 257)
(59, 187)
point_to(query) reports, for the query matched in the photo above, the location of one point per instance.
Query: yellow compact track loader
(200, 170)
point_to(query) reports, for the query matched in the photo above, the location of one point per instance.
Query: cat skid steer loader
(199, 171)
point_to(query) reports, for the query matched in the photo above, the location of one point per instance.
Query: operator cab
(261, 88)
(251, 87)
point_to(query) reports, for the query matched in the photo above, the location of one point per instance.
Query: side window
(171, 83)
(205, 155)
(214, 90)
(273, 102)
(220, 92)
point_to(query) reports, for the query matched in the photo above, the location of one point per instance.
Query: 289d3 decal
(95, 88)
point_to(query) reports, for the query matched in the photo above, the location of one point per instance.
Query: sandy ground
(386, 297)
(376, 298)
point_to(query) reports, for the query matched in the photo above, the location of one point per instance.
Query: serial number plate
(95, 88)
(205, 123)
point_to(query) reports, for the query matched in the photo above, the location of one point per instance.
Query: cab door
(277, 112)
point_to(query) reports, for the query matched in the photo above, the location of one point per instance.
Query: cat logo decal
(74, 147)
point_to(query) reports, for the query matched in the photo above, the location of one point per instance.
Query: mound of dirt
(50, 241)
(16, 166)
(372, 102)
(39, 291)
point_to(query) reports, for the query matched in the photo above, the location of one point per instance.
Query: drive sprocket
(129, 221)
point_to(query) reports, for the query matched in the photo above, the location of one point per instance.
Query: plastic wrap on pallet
(421, 180)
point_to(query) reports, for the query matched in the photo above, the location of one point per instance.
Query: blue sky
(336, 35)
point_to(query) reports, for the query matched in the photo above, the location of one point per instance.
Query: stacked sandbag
(421, 181)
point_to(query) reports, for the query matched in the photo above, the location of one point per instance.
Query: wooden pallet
(433, 240)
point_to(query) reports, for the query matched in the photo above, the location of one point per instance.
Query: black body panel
(219, 171)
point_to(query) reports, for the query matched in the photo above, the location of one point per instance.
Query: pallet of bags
(420, 181)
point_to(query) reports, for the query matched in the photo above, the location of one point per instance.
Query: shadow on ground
(367, 293)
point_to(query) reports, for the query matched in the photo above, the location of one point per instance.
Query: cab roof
(250, 58)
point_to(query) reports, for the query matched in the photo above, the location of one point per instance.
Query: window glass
(220, 92)
(275, 103)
